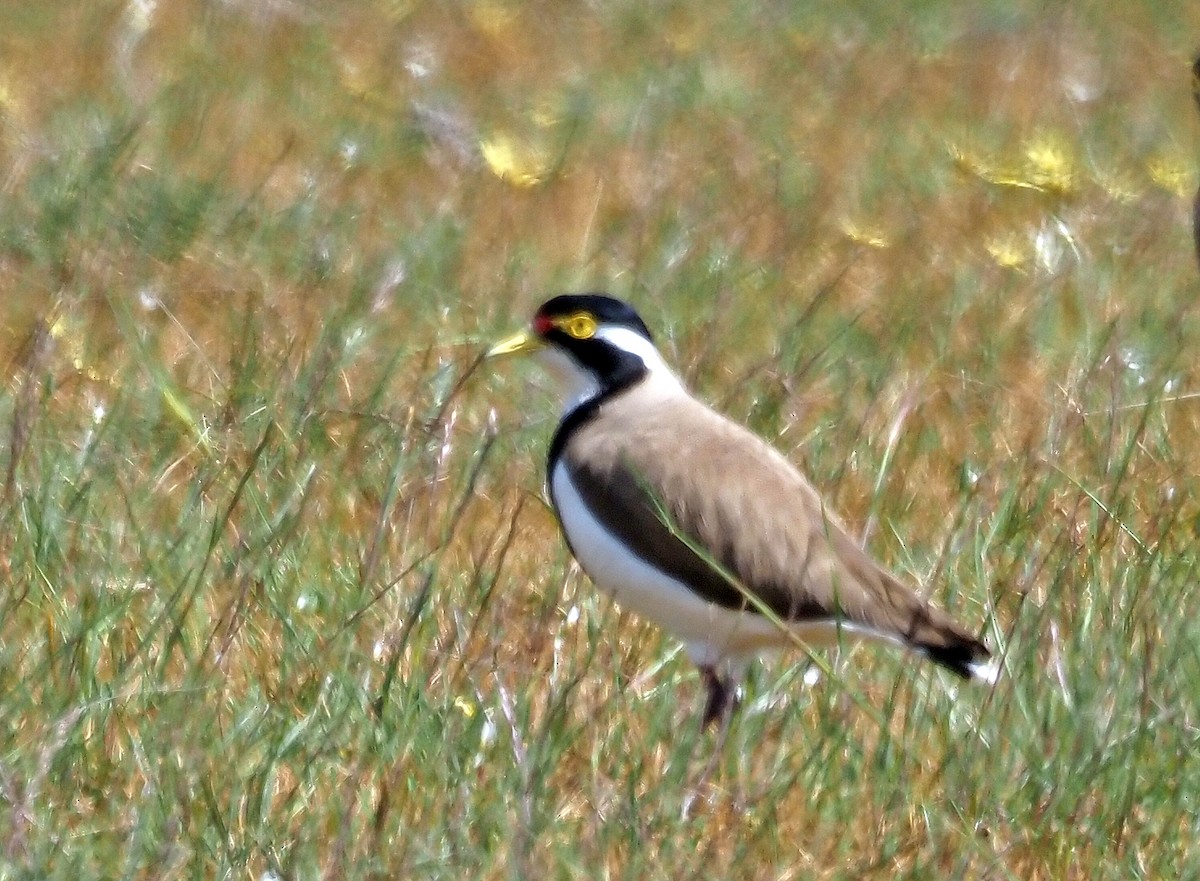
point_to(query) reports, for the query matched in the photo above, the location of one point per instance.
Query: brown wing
(647, 466)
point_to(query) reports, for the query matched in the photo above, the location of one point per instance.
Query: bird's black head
(593, 344)
(558, 317)
(601, 335)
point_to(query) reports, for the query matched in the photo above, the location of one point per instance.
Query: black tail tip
(969, 659)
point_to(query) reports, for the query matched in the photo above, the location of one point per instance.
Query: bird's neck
(589, 389)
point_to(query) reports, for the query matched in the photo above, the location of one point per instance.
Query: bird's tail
(938, 637)
(964, 656)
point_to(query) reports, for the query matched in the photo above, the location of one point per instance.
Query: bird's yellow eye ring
(580, 325)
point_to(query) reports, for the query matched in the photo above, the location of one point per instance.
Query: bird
(689, 519)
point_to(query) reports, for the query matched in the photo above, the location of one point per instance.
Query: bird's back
(686, 488)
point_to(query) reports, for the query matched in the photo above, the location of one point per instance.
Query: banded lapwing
(695, 523)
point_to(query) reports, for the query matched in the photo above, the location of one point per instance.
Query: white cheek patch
(629, 341)
(576, 384)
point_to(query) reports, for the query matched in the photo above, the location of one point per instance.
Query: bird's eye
(581, 325)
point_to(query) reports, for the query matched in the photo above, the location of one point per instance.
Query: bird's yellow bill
(524, 341)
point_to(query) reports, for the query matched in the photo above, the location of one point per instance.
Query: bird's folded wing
(712, 505)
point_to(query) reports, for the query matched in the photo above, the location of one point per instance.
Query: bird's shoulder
(682, 448)
(714, 479)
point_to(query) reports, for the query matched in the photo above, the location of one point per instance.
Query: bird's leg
(722, 697)
(722, 701)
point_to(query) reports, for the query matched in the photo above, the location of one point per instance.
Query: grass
(282, 598)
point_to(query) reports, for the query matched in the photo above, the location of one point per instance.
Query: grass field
(281, 598)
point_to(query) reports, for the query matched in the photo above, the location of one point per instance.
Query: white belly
(712, 633)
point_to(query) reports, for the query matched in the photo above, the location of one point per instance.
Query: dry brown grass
(290, 605)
